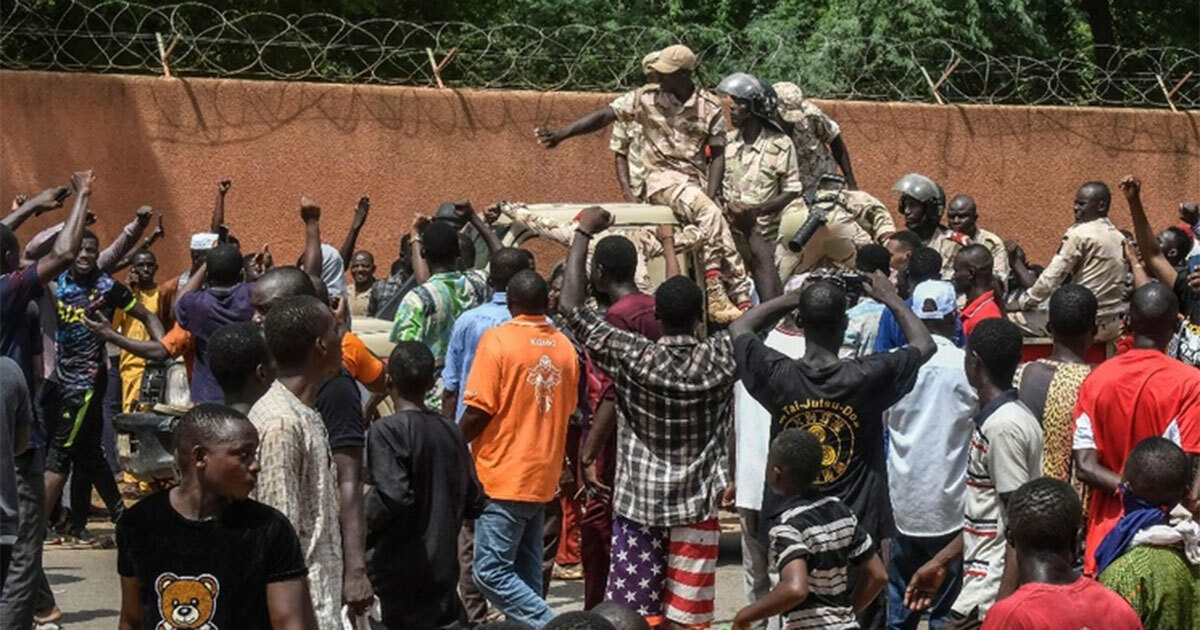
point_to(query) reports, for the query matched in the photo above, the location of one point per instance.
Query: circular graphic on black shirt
(835, 427)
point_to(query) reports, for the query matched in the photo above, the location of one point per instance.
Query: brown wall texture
(166, 142)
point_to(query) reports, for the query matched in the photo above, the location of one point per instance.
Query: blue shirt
(890, 336)
(202, 313)
(464, 339)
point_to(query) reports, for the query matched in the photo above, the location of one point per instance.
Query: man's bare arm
(574, 292)
(665, 234)
(131, 605)
(841, 155)
(594, 121)
(716, 169)
(218, 215)
(474, 421)
(1156, 263)
(101, 328)
(151, 321)
(356, 226)
(310, 213)
(40, 203)
(356, 588)
(419, 266)
(67, 242)
(290, 605)
(1090, 471)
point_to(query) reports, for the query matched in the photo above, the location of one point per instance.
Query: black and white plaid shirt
(673, 409)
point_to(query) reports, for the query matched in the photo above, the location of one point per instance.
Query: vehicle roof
(624, 213)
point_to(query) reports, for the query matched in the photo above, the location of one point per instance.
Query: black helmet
(761, 96)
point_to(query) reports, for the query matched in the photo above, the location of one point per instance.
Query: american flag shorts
(665, 572)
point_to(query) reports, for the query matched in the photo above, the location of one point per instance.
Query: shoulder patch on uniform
(960, 238)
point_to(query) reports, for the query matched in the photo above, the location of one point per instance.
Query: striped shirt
(1005, 452)
(825, 534)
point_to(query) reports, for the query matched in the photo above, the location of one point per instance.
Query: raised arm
(665, 234)
(310, 213)
(419, 266)
(127, 259)
(356, 226)
(40, 203)
(1157, 264)
(468, 215)
(126, 241)
(591, 221)
(594, 121)
(218, 215)
(67, 242)
(882, 290)
(841, 155)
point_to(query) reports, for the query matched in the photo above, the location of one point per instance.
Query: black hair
(145, 252)
(292, 326)
(506, 625)
(225, 265)
(797, 454)
(579, 620)
(529, 291)
(822, 306)
(1073, 310)
(290, 281)
(976, 255)
(1153, 311)
(204, 424)
(908, 238)
(617, 256)
(1044, 515)
(234, 351)
(873, 257)
(1102, 189)
(1158, 471)
(679, 303)
(925, 263)
(410, 367)
(1183, 242)
(621, 617)
(997, 342)
(440, 242)
(397, 265)
(320, 289)
(88, 235)
(506, 263)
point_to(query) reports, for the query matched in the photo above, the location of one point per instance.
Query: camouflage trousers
(718, 252)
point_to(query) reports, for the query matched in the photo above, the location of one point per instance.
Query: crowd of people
(909, 423)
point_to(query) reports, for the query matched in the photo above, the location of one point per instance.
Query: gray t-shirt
(14, 412)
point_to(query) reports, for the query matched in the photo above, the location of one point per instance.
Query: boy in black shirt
(202, 555)
(813, 536)
(422, 487)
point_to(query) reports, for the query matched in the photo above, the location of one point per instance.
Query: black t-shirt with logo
(843, 405)
(1186, 344)
(215, 571)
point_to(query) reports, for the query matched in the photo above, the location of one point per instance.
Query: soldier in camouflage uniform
(870, 214)
(625, 140)
(819, 145)
(921, 204)
(644, 240)
(761, 172)
(963, 218)
(835, 244)
(683, 150)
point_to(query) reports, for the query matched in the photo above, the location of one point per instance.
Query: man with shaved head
(362, 271)
(1092, 254)
(1138, 394)
(963, 216)
(973, 278)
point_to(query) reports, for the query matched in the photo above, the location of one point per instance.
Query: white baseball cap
(204, 240)
(934, 299)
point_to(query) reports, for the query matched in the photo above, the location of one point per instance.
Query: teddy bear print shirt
(210, 574)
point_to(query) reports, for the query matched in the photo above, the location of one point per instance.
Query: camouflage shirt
(947, 242)
(626, 139)
(756, 172)
(812, 134)
(870, 214)
(674, 134)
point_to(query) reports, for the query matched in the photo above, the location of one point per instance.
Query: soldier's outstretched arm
(594, 121)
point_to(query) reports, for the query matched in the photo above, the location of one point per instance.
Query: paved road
(87, 589)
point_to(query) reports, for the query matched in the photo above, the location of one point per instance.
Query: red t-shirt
(984, 307)
(1082, 604)
(1130, 397)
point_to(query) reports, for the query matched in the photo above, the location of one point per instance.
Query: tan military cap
(674, 58)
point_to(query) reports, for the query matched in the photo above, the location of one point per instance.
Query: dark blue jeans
(907, 554)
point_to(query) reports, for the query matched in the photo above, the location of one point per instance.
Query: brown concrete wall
(167, 141)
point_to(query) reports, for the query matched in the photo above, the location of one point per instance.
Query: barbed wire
(125, 37)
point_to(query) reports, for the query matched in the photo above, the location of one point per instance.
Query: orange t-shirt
(364, 366)
(526, 376)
